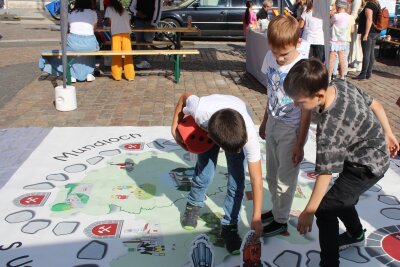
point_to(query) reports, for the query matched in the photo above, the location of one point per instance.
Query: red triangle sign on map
(133, 146)
(104, 229)
(32, 199)
(107, 229)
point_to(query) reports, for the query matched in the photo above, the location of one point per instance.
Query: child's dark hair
(247, 14)
(80, 5)
(116, 4)
(306, 78)
(227, 128)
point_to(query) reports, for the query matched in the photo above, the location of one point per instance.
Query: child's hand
(392, 144)
(178, 138)
(297, 154)
(261, 130)
(305, 222)
(257, 226)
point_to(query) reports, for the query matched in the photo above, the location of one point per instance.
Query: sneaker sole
(358, 244)
(188, 227)
(235, 252)
(266, 222)
(276, 232)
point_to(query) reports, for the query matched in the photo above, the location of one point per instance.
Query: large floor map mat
(113, 196)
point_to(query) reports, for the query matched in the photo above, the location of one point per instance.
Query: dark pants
(339, 202)
(143, 37)
(368, 49)
(317, 51)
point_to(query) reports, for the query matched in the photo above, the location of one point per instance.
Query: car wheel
(165, 36)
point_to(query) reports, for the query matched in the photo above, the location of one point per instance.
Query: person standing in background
(121, 40)
(342, 24)
(248, 17)
(355, 54)
(369, 35)
(145, 14)
(264, 12)
(313, 31)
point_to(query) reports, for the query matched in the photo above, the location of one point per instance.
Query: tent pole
(280, 6)
(64, 30)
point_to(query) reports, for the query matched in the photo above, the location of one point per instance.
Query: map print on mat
(113, 196)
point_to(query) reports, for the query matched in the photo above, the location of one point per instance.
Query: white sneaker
(73, 80)
(143, 65)
(352, 69)
(90, 78)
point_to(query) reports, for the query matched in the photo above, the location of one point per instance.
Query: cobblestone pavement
(150, 99)
(27, 99)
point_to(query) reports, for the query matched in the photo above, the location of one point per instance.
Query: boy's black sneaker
(189, 219)
(346, 240)
(233, 242)
(267, 218)
(275, 228)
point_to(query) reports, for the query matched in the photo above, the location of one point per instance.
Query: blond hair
(283, 31)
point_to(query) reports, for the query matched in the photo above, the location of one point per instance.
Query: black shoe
(274, 228)
(267, 218)
(360, 77)
(367, 76)
(190, 217)
(346, 240)
(233, 242)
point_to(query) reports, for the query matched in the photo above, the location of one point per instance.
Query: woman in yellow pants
(120, 31)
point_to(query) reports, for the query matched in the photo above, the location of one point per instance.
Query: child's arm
(306, 218)
(261, 130)
(178, 116)
(301, 23)
(391, 142)
(298, 150)
(257, 188)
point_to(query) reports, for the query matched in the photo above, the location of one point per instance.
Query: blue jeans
(368, 48)
(140, 37)
(80, 66)
(203, 177)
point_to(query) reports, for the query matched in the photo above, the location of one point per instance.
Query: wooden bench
(174, 53)
(154, 43)
(385, 43)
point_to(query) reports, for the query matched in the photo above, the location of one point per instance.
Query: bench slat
(123, 53)
(155, 43)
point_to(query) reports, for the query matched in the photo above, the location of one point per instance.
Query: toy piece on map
(128, 165)
(183, 178)
(195, 138)
(202, 252)
(250, 251)
(299, 193)
(77, 197)
(150, 241)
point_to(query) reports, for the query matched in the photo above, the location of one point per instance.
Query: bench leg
(177, 68)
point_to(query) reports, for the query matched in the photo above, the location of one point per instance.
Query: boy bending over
(231, 128)
(354, 139)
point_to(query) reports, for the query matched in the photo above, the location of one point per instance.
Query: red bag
(382, 21)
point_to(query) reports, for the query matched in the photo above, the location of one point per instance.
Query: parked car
(212, 17)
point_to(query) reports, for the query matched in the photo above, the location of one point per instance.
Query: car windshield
(185, 3)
